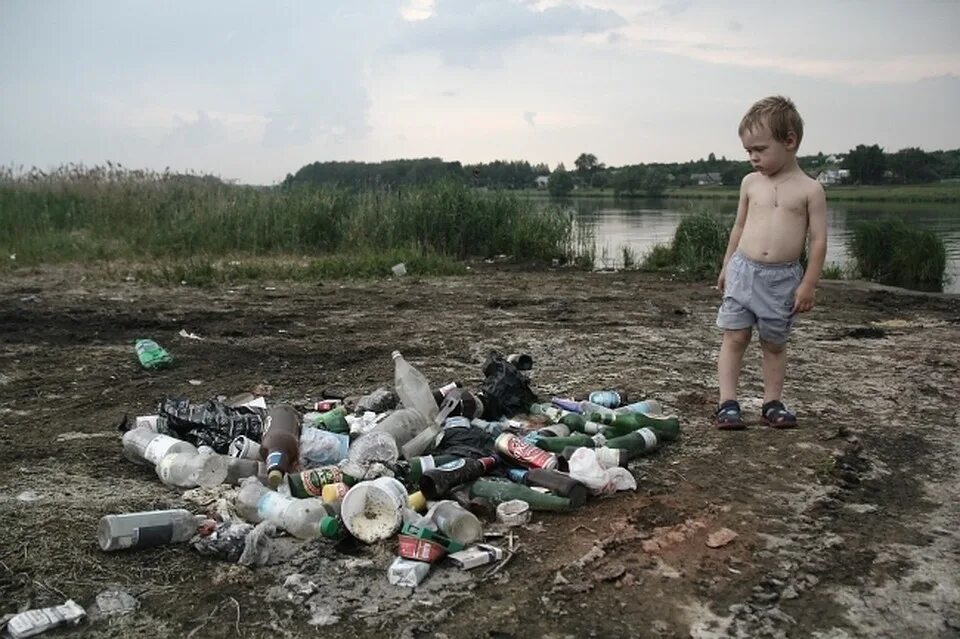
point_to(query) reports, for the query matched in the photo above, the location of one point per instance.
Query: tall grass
(80, 213)
(890, 251)
(698, 246)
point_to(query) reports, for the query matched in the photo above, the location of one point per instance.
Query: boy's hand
(804, 299)
(722, 279)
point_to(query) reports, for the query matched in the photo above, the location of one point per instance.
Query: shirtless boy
(762, 281)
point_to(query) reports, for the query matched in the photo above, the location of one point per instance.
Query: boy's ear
(791, 141)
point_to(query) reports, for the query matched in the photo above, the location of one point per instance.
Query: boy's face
(768, 155)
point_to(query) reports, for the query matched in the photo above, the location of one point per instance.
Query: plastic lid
(417, 501)
(274, 477)
(329, 527)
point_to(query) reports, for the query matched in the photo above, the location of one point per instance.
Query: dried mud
(845, 527)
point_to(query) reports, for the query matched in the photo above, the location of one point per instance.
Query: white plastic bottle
(145, 529)
(413, 388)
(189, 470)
(146, 446)
(299, 517)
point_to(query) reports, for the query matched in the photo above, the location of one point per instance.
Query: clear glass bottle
(145, 529)
(456, 522)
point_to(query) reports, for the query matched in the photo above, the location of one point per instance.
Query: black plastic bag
(506, 391)
(212, 423)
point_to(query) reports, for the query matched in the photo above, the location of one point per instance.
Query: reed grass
(200, 224)
(890, 251)
(697, 249)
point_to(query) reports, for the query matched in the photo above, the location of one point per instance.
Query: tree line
(861, 165)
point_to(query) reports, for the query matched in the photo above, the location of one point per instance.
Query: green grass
(698, 246)
(194, 228)
(890, 251)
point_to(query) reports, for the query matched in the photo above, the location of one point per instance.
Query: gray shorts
(762, 294)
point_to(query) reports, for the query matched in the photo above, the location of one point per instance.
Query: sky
(253, 90)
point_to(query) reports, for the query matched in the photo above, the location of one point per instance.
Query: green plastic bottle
(152, 355)
(557, 444)
(667, 427)
(636, 443)
(334, 420)
(501, 491)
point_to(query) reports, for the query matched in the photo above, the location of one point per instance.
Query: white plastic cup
(245, 448)
(372, 510)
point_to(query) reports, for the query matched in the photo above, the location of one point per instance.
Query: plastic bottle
(412, 387)
(647, 407)
(145, 446)
(299, 517)
(403, 425)
(435, 483)
(145, 529)
(501, 491)
(456, 522)
(239, 469)
(189, 470)
(151, 354)
(33, 622)
(556, 482)
(281, 442)
(422, 443)
(608, 398)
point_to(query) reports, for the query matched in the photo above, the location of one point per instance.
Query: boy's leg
(731, 358)
(774, 367)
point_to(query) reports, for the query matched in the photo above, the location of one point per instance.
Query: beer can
(524, 453)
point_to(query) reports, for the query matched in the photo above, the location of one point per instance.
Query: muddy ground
(846, 527)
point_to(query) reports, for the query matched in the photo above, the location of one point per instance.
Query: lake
(642, 224)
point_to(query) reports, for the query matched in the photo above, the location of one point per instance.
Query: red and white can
(524, 453)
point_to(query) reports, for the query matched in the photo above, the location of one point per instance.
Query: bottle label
(274, 459)
(599, 440)
(427, 463)
(453, 465)
(147, 536)
(649, 438)
(314, 480)
(158, 447)
(592, 428)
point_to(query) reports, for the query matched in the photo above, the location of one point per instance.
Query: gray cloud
(464, 34)
(528, 117)
(204, 131)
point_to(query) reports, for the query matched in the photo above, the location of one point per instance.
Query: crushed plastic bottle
(152, 355)
(413, 388)
(33, 622)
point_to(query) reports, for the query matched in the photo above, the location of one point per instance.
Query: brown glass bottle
(281, 442)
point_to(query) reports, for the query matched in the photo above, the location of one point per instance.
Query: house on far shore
(542, 181)
(832, 176)
(706, 179)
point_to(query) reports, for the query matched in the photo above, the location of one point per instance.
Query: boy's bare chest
(783, 200)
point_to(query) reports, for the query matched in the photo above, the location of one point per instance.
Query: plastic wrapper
(585, 468)
(320, 447)
(408, 573)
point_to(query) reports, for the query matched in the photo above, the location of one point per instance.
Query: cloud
(528, 117)
(468, 34)
(200, 132)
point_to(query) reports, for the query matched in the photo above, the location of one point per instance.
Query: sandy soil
(846, 527)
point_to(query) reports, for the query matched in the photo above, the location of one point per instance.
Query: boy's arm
(817, 241)
(735, 232)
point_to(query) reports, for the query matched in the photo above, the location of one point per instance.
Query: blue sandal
(776, 415)
(728, 416)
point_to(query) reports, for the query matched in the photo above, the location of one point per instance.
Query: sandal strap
(776, 409)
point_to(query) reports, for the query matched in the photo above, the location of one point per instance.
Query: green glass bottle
(557, 444)
(666, 426)
(501, 491)
(636, 443)
(581, 424)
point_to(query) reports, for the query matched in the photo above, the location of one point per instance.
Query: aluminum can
(524, 453)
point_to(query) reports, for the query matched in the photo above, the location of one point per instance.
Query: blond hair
(777, 113)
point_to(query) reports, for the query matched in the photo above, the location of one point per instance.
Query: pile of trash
(430, 467)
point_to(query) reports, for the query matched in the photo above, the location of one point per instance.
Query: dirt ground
(846, 527)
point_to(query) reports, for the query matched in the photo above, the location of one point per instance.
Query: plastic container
(146, 529)
(515, 512)
(281, 442)
(146, 446)
(245, 448)
(456, 522)
(372, 510)
(189, 470)
(375, 446)
(403, 425)
(152, 355)
(412, 387)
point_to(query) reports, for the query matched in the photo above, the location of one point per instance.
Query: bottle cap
(274, 477)
(417, 501)
(395, 354)
(329, 527)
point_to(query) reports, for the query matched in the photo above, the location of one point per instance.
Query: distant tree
(866, 164)
(913, 165)
(628, 179)
(586, 164)
(733, 173)
(561, 183)
(711, 158)
(654, 183)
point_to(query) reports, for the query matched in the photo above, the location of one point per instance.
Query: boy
(761, 280)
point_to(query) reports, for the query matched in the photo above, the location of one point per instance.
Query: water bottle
(456, 522)
(189, 470)
(280, 446)
(152, 355)
(647, 407)
(299, 517)
(146, 446)
(412, 387)
(145, 529)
